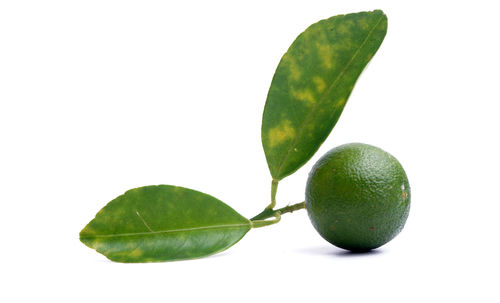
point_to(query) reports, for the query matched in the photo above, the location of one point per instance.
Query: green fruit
(358, 197)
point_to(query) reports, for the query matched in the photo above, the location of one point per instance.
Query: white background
(97, 97)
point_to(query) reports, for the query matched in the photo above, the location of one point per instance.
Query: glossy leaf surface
(312, 84)
(163, 223)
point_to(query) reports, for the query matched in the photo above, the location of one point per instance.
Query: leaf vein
(144, 221)
(167, 231)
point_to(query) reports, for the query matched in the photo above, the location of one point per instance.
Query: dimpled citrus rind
(358, 197)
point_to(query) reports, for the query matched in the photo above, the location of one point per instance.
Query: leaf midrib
(323, 97)
(229, 226)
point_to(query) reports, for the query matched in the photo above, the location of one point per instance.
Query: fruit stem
(292, 208)
(268, 213)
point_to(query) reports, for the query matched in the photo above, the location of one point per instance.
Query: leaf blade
(163, 223)
(312, 84)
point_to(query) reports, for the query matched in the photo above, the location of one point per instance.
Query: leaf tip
(84, 237)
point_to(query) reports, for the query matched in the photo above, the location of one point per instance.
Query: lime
(358, 197)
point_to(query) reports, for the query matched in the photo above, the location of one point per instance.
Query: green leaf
(312, 84)
(163, 223)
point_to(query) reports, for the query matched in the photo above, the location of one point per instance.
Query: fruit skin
(358, 197)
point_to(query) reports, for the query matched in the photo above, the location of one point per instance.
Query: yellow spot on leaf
(326, 52)
(304, 95)
(340, 102)
(98, 245)
(136, 253)
(281, 133)
(293, 67)
(363, 23)
(320, 84)
(342, 29)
